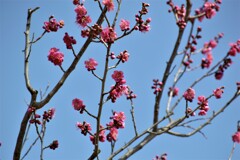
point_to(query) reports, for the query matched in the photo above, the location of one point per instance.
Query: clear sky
(148, 55)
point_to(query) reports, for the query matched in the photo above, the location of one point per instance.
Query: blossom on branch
(109, 4)
(108, 35)
(218, 92)
(124, 25)
(54, 145)
(84, 127)
(82, 18)
(91, 64)
(189, 94)
(55, 56)
(69, 41)
(52, 25)
(78, 105)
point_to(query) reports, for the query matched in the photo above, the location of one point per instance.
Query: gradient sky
(148, 55)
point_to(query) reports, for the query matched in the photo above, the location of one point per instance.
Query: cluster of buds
(203, 105)
(123, 56)
(54, 145)
(157, 86)
(131, 95)
(47, 115)
(52, 25)
(95, 29)
(84, 127)
(142, 25)
(69, 41)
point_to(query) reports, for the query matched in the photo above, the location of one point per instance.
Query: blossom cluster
(142, 25)
(52, 25)
(91, 64)
(108, 35)
(54, 145)
(82, 18)
(55, 56)
(47, 115)
(69, 41)
(78, 105)
(157, 86)
(109, 4)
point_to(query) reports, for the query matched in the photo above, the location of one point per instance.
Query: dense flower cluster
(101, 137)
(82, 18)
(52, 25)
(123, 56)
(157, 86)
(142, 25)
(78, 105)
(54, 145)
(69, 41)
(84, 127)
(189, 94)
(203, 103)
(108, 35)
(208, 10)
(91, 64)
(55, 56)
(218, 92)
(124, 25)
(109, 4)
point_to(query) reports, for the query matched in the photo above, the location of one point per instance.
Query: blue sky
(148, 55)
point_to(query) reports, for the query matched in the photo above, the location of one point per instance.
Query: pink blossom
(112, 135)
(189, 94)
(84, 127)
(118, 119)
(55, 56)
(234, 49)
(83, 20)
(108, 35)
(101, 137)
(123, 56)
(124, 25)
(157, 86)
(218, 92)
(202, 113)
(202, 101)
(209, 8)
(199, 12)
(236, 137)
(69, 41)
(78, 105)
(109, 4)
(206, 62)
(80, 10)
(118, 91)
(118, 76)
(48, 115)
(52, 25)
(91, 64)
(212, 43)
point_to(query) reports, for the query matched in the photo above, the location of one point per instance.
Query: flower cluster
(174, 91)
(82, 18)
(78, 105)
(54, 145)
(234, 49)
(118, 121)
(48, 115)
(96, 30)
(123, 56)
(142, 25)
(208, 10)
(109, 4)
(84, 127)
(157, 86)
(124, 25)
(119, 88)
(108, 35)
(69, 41)
(52, 25)
(55, 56)
(203, 103)
(101, 136)
(189, 94)
(91, 64)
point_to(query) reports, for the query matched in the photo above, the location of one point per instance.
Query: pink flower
(109, 4)
(206, 62)
(55, 56)
(101, 137)
(235, 48)
(78, 105)
(118, 119)
(108, 35)
(123, 56)
(118, 76)
(189, 94)
(80, 10)
(212, 43)
(69, 41)
(202, 113)
(218, 92)
(48, 115)
(118, 91)
(112, 135)
(85, 127)
(202, 101)
(209, 9)
(236, 137)
(53, 25)
(91, 64)
(124, 25)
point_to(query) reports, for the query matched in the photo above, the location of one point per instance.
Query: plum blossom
(124, 25)
(118, 119)
(78, 105)
(206, 62)
(123, 56)
(108, 35)
(109, 4)
(91, 64)
(112, 135)
(84, 127)
(174, 91)
(218, 92)
(236, 137)
(55, 56)
(69, 41)
(189, 94)
(52, 25)
(157, 86)
(48, 115)
(82, 18)
(118, 76)
(102, 136)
